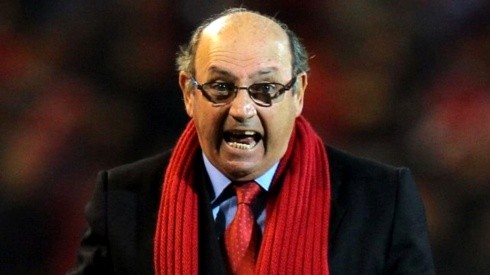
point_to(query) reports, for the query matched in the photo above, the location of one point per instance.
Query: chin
(240, 172)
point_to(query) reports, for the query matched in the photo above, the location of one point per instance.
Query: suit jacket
(377, 224)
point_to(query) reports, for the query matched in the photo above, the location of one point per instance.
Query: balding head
(244, 39)
(237, 19)
(243, 23)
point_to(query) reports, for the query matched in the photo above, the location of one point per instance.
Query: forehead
(245, 42)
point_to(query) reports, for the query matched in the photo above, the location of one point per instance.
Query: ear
(186, 92)
(301, 84)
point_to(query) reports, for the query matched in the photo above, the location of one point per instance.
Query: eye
(264, 88)
(221, 87)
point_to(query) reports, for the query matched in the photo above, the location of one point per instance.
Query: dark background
(89, 84)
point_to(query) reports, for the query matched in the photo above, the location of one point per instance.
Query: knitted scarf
(295, 238)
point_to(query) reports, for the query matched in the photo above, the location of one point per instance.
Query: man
(312, 209)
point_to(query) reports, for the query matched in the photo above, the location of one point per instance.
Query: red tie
(242, 235)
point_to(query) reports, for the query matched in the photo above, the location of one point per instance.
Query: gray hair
(187, 54)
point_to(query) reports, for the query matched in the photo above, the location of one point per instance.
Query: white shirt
(227, 206)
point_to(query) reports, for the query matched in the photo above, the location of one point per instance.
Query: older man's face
(242, 139)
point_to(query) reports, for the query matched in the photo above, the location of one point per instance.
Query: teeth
(242, 146)
(249, 133)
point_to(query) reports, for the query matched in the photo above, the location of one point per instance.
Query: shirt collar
(220, 181)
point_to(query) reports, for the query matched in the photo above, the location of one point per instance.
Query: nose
(242, 106)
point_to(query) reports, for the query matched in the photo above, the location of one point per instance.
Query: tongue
(242, 139)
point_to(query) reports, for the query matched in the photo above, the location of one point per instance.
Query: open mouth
(244, 140)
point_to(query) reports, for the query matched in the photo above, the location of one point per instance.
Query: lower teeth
(242, 146)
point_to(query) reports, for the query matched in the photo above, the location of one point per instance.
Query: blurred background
(89, 84)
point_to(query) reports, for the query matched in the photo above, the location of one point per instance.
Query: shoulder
(353, 178)
(343, 164)
(139, 174)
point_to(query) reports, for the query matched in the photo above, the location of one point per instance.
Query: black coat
(377, 224)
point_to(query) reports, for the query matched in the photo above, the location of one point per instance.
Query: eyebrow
(219, 71)
(265, 71)
(225, 73)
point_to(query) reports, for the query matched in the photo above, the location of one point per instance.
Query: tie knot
(246, 192)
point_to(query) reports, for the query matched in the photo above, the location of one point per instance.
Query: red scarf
(295, 239)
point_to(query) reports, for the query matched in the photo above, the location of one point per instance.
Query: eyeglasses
(263, 94)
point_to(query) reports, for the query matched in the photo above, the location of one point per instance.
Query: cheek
(208, 125)
(207, 138)
(279, 128)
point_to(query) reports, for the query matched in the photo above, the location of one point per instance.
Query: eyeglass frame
(285, 87)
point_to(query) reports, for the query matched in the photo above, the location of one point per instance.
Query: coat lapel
(211, 260)
(337, 211)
